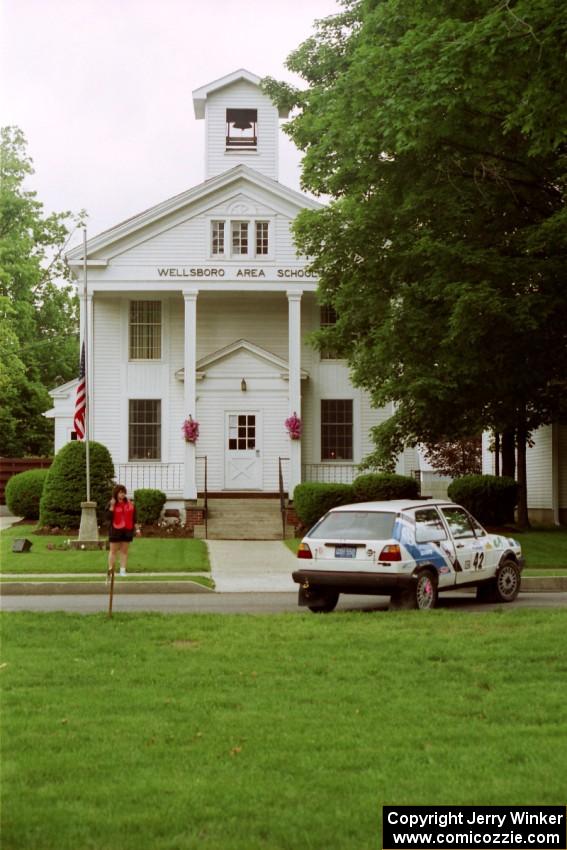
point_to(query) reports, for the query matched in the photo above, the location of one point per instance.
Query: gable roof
(200, 95)
(177, 202)
(234, 348)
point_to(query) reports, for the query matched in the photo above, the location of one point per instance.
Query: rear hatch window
(354, 525)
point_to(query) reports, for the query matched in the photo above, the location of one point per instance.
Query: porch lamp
(243, 386)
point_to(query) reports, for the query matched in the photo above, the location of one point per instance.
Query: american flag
(81, 399)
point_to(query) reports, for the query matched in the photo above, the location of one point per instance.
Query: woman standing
(122, 516)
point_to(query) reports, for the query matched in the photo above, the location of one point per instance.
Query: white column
(294, 337)
(190, 389)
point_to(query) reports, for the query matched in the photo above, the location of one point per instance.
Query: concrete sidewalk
(239, 566)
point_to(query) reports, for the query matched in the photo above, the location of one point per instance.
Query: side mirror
(425, 534)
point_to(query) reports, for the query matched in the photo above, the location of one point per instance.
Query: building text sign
(238, 273)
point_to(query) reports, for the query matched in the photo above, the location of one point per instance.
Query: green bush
(312, 500)
(148, 505)
(66, 484)
(491, 499)
(376, 487)
(23, 492)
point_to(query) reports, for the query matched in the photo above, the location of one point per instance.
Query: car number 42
(478, 561)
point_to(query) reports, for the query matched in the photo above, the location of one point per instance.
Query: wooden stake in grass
(111, 592)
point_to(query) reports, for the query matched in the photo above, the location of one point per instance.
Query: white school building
(200, 307)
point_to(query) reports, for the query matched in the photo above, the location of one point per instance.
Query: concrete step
(244, 519)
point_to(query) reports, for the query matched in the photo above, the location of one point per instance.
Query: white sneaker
(122, 571)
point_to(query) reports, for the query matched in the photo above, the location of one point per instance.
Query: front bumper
(313, 582)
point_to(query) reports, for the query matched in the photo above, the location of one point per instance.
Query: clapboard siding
(241, 95)
(539, 469)
(108, 376)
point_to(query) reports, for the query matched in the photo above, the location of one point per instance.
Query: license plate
(345, 551)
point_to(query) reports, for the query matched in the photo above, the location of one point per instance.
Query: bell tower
(241, 124)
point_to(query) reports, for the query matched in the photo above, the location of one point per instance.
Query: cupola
(241, 124)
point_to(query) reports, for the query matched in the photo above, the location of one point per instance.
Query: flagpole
(86, 344)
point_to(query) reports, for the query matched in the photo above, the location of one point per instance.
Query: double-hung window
(217, 243)
(144, 429)
(262, 241)
(336, 429)
(328, 319)
(145, 330)
(239, 238)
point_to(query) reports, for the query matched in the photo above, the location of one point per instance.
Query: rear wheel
(426, 591)
(507, 584)
(327, 602)
(422, 595)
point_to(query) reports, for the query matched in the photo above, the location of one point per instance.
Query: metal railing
(282, 491)
(155, 476)
(329, 473)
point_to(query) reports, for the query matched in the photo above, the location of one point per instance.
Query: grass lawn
(541, 547)
(152, 554)
(151, 732)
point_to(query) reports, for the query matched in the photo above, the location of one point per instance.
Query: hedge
(490, 498)
(23, 492)
(377, 487)
(312, 500)
(66, 484)
(149, 504)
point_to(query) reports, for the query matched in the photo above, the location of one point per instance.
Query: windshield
(355, 525)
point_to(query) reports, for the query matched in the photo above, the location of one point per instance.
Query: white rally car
(408, 550)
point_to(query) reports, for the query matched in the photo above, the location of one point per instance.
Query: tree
(38, 311)
(456, 457)
(438, 128)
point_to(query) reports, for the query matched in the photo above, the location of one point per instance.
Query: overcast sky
(102, 90)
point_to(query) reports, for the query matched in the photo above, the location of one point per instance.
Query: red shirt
(123, 515)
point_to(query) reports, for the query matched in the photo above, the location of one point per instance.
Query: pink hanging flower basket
(190, 430)
(294, 426)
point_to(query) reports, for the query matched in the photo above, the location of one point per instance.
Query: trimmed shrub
(489, 498)
(23, 492)
(376, 487)
(66, 484)
(149, 504)
(312, 500)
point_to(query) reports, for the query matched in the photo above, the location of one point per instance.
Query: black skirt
(120, 535)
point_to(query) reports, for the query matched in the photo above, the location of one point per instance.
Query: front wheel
(328, 602)
(507, 583)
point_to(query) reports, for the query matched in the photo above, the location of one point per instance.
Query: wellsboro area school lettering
(221, 272)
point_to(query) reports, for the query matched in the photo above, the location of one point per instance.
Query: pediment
(239, 357)
(187, 205)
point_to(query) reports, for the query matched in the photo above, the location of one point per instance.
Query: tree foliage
(38, 311)
(439, 130)
(456, 457)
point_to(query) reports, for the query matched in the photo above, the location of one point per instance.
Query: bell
(242, 125)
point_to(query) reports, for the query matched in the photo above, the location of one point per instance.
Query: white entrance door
(243, 451)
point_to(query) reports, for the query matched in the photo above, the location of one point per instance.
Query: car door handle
(460, 545)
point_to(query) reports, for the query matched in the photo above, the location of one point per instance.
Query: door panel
(243, 451)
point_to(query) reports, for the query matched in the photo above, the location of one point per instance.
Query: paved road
(253, 603)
